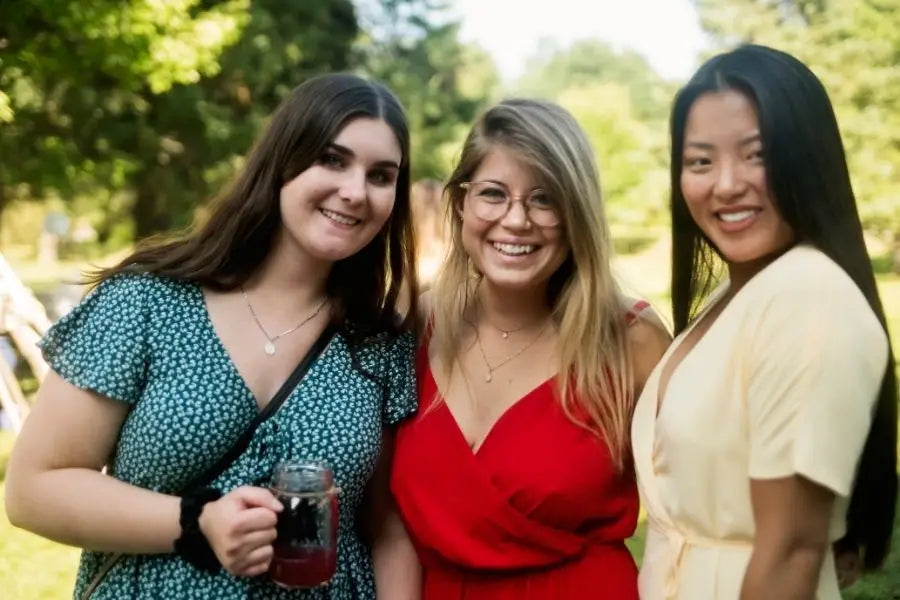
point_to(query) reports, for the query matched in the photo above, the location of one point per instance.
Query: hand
(849, 567)
(240, 527)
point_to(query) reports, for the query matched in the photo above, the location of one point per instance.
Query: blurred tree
(73, 73)
(622, 104)
(413, 46)
(146, 107)
(854, 47)
(191, 139)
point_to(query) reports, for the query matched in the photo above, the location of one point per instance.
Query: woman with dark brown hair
(183, 346)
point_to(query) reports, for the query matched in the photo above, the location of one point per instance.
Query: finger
(257, 560)
(257, 539)
(255, 519)
(257, 496)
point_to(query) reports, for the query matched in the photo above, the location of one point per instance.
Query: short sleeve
(400, 400)
(101, 345)
(815, 365)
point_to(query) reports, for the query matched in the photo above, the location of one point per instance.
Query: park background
(122, 118)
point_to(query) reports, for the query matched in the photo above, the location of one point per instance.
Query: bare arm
(791, 516)
(54, 488)
(398, 575)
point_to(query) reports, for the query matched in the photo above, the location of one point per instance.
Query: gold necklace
(269, 347)
(491, 368)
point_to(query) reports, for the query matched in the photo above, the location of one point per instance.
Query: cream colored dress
(784, 382)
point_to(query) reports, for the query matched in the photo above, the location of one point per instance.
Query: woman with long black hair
(768, 430)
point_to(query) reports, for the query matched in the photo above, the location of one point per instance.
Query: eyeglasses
(491, 201)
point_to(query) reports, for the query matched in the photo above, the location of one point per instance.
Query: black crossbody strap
(239, 445)
(271, 408)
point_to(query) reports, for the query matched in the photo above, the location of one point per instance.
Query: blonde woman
(514, 480)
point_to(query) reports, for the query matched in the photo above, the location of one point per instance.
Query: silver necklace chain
(269, 347)
(491, 368)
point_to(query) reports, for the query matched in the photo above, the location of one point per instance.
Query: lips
(339, 218)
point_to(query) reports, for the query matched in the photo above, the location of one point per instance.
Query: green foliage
(69, 69)
(441, 82)
(136, 112)
(622, 104)
(854, 48)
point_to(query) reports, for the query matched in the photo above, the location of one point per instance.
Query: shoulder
(807, 301)
(140, 287)
(805, 271)
(805, 281)
(648, 338)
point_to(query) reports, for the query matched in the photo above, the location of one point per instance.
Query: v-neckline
(476, 450)
(287, 383)
(714, 299)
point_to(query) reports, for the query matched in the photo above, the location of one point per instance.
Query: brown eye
(332, 160)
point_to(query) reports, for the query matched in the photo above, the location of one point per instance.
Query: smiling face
(511, 251)
(335, 207)
(723, 181)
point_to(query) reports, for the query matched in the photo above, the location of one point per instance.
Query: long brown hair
(595, 369)
(225, 249)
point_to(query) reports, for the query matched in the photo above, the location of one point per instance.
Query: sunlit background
(122, 118)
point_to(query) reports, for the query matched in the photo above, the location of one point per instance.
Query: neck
(510, 310)
(287, 272)
(740, 273)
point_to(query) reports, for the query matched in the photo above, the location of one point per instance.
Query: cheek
(694, 191)
(382, 204)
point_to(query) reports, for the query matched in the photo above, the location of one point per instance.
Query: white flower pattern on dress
(148, 341)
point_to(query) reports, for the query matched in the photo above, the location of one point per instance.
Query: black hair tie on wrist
(192, 545)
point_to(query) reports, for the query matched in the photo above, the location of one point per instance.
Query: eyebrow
(500, 183)
(345, 151)
(753, 137)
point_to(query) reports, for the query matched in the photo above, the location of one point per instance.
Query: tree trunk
(149, 214)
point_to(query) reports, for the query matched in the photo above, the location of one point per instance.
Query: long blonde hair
(595, 380)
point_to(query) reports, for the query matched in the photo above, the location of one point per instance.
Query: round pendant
(269, 348)
(505, 335)
(488, 378)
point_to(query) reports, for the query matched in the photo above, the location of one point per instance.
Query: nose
(729, 182)
(353, 186)
(516, 216)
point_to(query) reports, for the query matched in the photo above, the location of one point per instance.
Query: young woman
(775, 408)
(169, 359)
(515, 479)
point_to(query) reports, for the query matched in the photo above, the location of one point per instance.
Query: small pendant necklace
(269, 347)
(491, 368)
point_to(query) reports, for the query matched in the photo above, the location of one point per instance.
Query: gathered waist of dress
(592, 553)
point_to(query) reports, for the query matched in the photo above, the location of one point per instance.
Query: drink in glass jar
(306, 546)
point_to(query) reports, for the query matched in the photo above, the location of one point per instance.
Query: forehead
(507, 167)
(370, 139)
(721, 116)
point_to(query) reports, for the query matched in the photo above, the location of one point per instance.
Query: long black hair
(229, 246)
(809, 181)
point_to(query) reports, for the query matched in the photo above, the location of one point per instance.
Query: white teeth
(339, 218)
(514, 249)
(736, 216)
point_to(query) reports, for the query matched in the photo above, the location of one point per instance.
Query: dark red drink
(303, 567)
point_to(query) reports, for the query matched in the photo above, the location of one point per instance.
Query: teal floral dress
(148, 341)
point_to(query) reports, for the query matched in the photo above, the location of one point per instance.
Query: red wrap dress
(539, 511)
